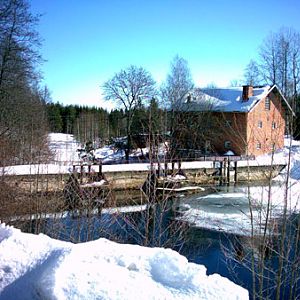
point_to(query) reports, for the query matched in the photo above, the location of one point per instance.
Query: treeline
(99, 125)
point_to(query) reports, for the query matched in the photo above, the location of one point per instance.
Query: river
(214, 229)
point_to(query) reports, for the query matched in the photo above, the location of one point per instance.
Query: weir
(132, 176)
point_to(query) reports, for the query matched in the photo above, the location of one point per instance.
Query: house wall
(254, 133)
(265, 128)
(232, 129)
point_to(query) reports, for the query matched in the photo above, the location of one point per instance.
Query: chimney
(247, 92)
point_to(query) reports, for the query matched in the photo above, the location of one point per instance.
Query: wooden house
(244, 120)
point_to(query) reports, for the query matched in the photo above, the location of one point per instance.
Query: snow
(64, 148)
(38, 267)
(176, 177)
(224, 99)
(229, 153)
(109, 153)
(94, 184)
(64, 169)
(183, 189)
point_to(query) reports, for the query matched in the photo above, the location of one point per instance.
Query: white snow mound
(38, 267)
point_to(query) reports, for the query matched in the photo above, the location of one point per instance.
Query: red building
(246, 120)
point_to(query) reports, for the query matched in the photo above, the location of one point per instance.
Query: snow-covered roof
(225, 99)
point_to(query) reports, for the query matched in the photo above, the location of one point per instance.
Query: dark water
(226, 254)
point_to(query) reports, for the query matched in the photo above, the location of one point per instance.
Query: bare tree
(269, 59)
(295, 62)
(280, 60)
(20, 98)
(19, 43)
(252, 74)
(179, 82)
(130, 88)
(174, 91)
(236, 82)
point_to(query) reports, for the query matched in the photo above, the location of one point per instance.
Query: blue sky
(85, 42)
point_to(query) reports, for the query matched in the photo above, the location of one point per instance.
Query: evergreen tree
(54, 117)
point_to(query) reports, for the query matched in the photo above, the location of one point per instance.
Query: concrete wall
(135, 179)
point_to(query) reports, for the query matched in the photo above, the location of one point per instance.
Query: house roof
(226, 99)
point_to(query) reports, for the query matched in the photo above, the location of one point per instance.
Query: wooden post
(166, 169)
(235, 171)
(81, 173)
(228, 171)
(221, 172)
(100, 169)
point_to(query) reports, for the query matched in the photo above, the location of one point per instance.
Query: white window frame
(267, 103)
(260, 124)
(258, 145)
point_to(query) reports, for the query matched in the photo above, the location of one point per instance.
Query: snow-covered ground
(228, 209)
(38, 267)
(64, 148)
(108, 154)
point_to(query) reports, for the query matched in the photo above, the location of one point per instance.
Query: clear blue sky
(87, 41)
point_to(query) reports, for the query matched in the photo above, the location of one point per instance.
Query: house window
(259, 124)
(258, 146)
(227, 144)
(267, 103)
(274, 125)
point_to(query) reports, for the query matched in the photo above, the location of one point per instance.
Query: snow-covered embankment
(38, 267)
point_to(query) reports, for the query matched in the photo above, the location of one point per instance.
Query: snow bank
(109, 154)
(38, 267)
(64, 147)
